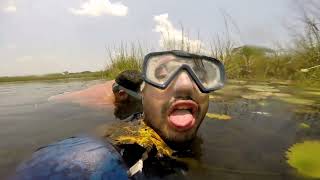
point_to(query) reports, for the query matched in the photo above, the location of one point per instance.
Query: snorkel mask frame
(185, 67)
(117, 87)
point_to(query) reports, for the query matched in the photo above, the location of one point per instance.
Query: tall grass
(241, 61)
(123, 58)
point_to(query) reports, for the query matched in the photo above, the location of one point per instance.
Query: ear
(122, 94)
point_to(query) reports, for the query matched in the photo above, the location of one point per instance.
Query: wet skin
(97, 96)
(101, 96)
(162, 108)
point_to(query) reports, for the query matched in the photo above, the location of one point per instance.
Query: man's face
(176, 112)
(125, 105)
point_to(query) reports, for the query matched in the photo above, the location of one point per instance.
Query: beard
(126, 108)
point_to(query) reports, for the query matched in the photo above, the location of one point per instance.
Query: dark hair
(130, 79)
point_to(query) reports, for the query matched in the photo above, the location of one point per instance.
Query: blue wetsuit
(74, 158)
(85, 157)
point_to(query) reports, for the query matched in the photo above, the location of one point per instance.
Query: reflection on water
(246, 135)
(28, 120)
(253, 144)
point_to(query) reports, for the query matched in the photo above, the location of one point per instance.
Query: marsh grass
(242, 62)
(56, 76)
(123, 58)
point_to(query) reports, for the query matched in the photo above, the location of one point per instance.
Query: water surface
(266, 120)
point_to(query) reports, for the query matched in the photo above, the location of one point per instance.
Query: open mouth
(182, 114)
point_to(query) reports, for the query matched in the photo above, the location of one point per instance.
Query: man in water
(175, 101)
(122, 94)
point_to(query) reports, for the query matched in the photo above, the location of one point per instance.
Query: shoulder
(74, 158)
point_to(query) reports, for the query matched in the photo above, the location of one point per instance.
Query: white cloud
(11, 8)
(100, 7)
(171, 36)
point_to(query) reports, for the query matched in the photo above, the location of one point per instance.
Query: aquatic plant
(304, 126)
(262, 88)
(281, 95)
(295, 100)
(305, 158)
(137, 133)
(218, 116)
(257, 96)
(215, 98)
(314, 93)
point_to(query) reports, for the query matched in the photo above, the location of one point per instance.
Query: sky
(49, 36)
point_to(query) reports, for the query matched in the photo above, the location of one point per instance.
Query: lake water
(253, 126)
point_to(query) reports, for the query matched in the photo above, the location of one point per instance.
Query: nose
(183, 84)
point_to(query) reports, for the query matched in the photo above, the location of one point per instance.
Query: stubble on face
(157, 103)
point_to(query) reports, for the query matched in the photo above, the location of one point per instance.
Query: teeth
(184, 108)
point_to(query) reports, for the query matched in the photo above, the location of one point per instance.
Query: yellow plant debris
(138, 132)
(218, 116)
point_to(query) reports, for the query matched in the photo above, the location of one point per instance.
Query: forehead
(168, 59)
(160, 59)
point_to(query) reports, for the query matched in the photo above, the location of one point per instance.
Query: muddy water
(249, 128)
(265, 121)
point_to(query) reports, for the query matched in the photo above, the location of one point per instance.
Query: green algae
(305, 158)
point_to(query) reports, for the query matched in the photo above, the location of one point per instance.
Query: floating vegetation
(314, 93)
(229, 89)
(218, 116)
(137, 132)
(304, 126)
(295, 100)
(232, 86)
(305, 158)
(253, 97)
(313, 89)
(281, 95)
(237, 81)
(257, 96)
(262, 88)
(215, 98)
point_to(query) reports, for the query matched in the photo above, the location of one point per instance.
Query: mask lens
(207, 72)
(160, 68)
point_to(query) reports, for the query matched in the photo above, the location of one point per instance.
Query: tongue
(181, 118)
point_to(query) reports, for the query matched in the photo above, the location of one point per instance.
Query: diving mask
(116, 87)
(160, 68)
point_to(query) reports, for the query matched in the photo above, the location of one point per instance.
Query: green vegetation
(55, 76)
(124, 59)
(304, 157)
(298, 64)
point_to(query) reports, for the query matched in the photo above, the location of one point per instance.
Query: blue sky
(46, 36)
